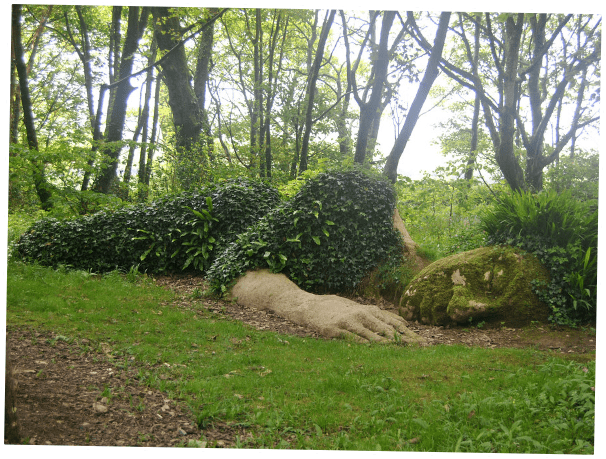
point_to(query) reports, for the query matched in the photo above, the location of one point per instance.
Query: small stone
(99, 407)
(181, 431)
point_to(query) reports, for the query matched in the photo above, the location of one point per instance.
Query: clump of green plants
(441, 213)
(326, 238)
(169, 234)
(563, 233)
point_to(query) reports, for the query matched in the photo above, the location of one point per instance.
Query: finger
(402, 327)
(364, 332)
(340, 332)
(395, 324)
(391, 319)
(379, 325)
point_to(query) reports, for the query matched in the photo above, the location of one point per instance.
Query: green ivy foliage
(326, 238)
(171, 233)
(563, 233)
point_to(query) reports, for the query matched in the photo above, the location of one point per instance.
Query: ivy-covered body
(327, 237)
(155, 237)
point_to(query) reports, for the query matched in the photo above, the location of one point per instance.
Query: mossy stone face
(488, 284)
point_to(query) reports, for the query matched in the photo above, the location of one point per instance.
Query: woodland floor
(58, 390)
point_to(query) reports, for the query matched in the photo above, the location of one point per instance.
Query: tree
(520, 51)
(137, 22)
(369, 108)
(186, 101)
(311, 87)
(42, 188)
(431, 73)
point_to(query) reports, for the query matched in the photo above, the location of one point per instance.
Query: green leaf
(316, 239)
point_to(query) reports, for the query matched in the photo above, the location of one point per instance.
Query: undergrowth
(563, 233)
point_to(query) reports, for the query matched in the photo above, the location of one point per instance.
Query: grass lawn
(303, 393)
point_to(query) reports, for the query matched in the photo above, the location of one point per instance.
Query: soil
(68, 394)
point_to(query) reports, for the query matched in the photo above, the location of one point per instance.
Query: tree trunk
(311, 88)
(473, 147)
(257, 105)
(431, 72)
(369, 109)
(15, 94)
(181, 95)
(534, 174)
(117, 113)
(344, 132)
(96, 139)
(15, 98)
(201, 78)
(154, 135)
(133, 146)
(145, 128)
(505, 155)
(42, 189)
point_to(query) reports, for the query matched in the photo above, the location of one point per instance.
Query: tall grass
(303, 393)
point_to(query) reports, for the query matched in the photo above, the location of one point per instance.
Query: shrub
(562, 232)
(170, 234)
(326, 238)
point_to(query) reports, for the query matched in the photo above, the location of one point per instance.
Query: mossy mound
(488, 284)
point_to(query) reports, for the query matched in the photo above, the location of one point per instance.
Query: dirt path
(66, 396)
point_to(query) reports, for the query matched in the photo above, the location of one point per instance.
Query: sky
(421, 153)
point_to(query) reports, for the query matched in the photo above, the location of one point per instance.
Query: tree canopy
(134, 102)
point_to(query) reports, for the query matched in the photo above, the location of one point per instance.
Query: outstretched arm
(330, 315)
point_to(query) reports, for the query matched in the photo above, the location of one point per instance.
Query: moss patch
(489, 284)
